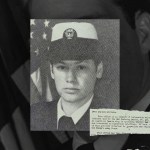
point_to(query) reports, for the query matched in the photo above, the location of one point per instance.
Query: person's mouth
(71, 90)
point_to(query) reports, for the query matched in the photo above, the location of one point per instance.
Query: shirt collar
(77, 114)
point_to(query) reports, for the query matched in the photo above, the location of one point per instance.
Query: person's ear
(51, 70)
(142, 22)
(99, 70)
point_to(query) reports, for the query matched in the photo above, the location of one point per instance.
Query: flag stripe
(7, 103)
(22, 79)
(8, 138)
(21, 131)
(13, 49)
(1, 145)
(22, 20)
(15, 134)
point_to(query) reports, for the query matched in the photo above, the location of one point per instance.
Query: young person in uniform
(75, 57)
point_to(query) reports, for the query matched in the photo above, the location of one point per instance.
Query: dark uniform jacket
(44, 115)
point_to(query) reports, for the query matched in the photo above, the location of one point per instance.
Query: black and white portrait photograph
(75, 75)
(78, 63)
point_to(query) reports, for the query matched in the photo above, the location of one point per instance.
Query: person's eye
(81, 67)
(61, 67)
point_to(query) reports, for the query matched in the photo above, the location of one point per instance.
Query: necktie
(66, 124)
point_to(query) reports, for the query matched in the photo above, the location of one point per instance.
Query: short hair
(130, 7)
(96, 62)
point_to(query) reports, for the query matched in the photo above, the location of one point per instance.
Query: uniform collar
(77, 114)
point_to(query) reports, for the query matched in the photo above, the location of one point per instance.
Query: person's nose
(71, 76)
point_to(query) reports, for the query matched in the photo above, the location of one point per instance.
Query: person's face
(75, 80)
(131, 58)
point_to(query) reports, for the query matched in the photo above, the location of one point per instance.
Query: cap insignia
(70, 33)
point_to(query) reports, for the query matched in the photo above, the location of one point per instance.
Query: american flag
(40, 35)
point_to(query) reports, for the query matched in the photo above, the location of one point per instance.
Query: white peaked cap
(83, 30)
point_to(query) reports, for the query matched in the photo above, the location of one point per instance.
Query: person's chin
(70, 97)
